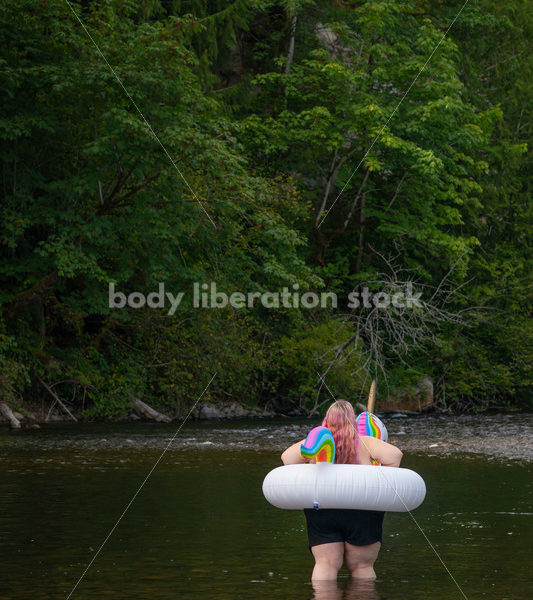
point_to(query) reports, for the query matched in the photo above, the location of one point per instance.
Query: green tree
(90, 196)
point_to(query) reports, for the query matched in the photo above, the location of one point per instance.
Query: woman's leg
(360, 559)
(329, 590)
(328, 560)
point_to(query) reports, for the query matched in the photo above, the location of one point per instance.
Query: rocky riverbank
(413, 400)
(31, 419)
(502, 437)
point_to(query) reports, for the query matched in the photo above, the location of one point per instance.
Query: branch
(333, 176)
(396, 192)
(108, 206)
(358, 195)
(57, 399)
(395, 332)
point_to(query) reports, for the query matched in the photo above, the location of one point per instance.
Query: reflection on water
(200, 528)
(356, 589)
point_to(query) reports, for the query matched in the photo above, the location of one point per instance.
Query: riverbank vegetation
(264, 144)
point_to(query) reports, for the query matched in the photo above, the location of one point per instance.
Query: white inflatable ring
(327, 485)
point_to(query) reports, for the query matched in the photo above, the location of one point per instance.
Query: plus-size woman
(338, 535)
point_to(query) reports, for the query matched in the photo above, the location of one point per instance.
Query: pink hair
(340, 420)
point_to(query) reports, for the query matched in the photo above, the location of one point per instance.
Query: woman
(352, 536)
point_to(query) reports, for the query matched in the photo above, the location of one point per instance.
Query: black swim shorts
(357, 527)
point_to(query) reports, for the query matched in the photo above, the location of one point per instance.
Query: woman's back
(350, 535)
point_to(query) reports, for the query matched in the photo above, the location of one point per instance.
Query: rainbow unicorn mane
(366, 425)
(319, 444)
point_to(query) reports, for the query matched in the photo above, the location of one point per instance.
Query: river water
(199, 528)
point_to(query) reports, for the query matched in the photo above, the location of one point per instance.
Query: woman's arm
(292, 455)
(386, 454)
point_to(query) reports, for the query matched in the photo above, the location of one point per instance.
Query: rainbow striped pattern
(319, 444)
(367, 425)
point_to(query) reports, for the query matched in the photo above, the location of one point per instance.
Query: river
(199, 528)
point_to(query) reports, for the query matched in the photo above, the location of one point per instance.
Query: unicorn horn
(371, 397)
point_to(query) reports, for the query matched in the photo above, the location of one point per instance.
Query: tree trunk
(359, 192)
(290, 55)
(361, 235)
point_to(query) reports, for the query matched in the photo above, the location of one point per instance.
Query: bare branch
(392, 333)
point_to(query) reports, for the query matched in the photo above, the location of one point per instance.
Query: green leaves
(430, 166)
(91, 195)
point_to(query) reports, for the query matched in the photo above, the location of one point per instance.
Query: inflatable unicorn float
(329, 485)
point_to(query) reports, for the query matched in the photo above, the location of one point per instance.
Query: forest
(321, 147)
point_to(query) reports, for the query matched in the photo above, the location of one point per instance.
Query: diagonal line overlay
(140, 113)
(140, 488)
(401, 500)
(393, 112)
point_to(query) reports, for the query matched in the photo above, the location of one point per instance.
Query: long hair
(340, 420)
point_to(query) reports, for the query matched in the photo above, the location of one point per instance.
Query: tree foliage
(258, 144)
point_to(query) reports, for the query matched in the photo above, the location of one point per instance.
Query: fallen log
(7, 413)
(147, 412)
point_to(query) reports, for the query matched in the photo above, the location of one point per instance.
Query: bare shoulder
(387, 454)
(376, 442)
